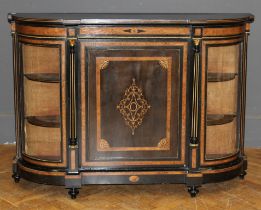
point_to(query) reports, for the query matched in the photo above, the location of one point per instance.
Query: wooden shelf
(219, 119)
(221, 77)
(45, 121)
(44, 77)
(218, 156)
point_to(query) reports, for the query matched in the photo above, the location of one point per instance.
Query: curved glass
(41, 91)
(223, 68)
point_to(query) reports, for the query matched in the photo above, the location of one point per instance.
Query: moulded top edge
(130, 18)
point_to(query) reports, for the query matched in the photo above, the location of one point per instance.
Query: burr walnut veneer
(129, 98)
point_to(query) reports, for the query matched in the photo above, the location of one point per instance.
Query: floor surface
(235, 194)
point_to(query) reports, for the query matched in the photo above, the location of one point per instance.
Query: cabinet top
(130, 18)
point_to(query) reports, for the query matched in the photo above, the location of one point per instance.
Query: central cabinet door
(133, 102)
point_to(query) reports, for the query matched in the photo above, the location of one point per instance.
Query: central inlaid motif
(133, 106)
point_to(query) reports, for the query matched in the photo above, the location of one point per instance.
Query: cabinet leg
(16, 177)
(242, 174)
(193, 190)
(73, 192)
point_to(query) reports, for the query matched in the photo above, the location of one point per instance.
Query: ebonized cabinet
(129, 98)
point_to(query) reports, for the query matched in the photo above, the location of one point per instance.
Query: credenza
(129, 98)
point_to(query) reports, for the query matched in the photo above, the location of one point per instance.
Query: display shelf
(219, 119)
(219, 156)
(221, 77)
(44, 121)
(44, 77)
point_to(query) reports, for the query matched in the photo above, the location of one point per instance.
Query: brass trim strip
(195, 95)
(73, 136)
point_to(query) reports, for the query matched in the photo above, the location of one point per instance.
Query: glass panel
(41, 68)
(41, 59)
(42, 142)
(223, 69)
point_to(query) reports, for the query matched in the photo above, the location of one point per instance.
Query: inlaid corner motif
(104, 144)
(133, 106)
(104, 65)
(164, 143)
(164, 64)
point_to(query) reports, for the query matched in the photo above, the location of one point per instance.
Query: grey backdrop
(253, 118)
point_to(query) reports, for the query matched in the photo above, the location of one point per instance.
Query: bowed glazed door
(221, 113)
(43, 111)
(133, 103)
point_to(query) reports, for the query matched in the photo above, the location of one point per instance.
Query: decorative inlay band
(133, 106)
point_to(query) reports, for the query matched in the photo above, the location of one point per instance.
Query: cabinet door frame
(203, 106)
(86, 43)
(61, 45)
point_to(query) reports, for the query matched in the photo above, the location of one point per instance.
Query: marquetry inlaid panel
(133, 104)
